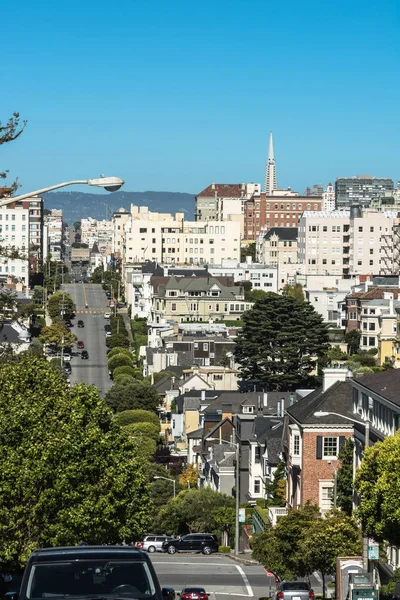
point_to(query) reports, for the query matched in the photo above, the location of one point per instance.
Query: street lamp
(237, 506)
(167, 479)
(322, 413)
(111, 184)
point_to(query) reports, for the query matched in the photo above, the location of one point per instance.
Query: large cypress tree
(281, 342)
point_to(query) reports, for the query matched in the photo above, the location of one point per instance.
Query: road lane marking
(245, 580)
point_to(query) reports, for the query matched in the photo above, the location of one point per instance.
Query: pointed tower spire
(270, 172)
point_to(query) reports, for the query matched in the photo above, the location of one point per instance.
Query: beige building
(344, 242)
(197, 299)
(212, 378)
(278, 248)
(170, 239)
(119, 219)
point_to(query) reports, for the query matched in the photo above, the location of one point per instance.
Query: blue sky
(173, 95)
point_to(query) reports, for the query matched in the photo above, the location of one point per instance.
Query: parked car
(81, 323)
(153, 543)
(86, 571)
(80, 345)
(193, 542)
(107, 327)
(84, 354)
(67, 357)
(193, 593)
(293, 590)
(108, 333)
(67, 368)
(107, 314)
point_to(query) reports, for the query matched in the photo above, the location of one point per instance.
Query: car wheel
(171, 549)
(151, 549)
(206, 550)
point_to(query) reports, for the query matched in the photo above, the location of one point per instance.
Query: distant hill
(78, 205)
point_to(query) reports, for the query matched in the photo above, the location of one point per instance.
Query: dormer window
(248, 410)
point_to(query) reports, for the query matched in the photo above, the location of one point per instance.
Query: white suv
(153, 543)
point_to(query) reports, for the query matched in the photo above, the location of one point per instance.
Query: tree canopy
(60, 305)
(130, 397)
(10, 131)
(378, 487)
(68, 471)
(281, 342)
(136, 416)
(294, 291)
(57, 333)
(345, 477)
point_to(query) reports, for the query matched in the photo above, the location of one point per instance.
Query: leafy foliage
(248, 250)
(345, 478)
(68, 472)
(191, 475)
(57, 333)
(280, 343)
(136, 416)
(118, 350)
(133, 396)
(335, 353)
(193, 510)
(276, 490)
(118, 339)
(124, 370)
(9, 132)
(119, 360)
(294, 291)
(145, 429)
(60, 302)
(352, 339)
(378, 486)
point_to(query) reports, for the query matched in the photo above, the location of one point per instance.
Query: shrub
(224, 549)
(123, 380)
(119, 360)
(117, 339)
(137, 416)
(145, 429)
(123, 370)
(119, 350)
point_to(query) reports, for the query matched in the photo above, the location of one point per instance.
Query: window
(205, 346)
(326, 498)
(330, 446)
(217, 377)
(257, 486)
(173, 306)
(296, 444)
(143, 230)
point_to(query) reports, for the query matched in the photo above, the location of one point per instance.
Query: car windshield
(194, 590)
(91, 578)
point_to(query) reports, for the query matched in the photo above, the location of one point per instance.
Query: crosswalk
(90, 311)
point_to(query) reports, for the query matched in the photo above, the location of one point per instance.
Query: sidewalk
(127, 322)
(244, 559)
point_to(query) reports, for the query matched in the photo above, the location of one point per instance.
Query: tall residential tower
(270, 172)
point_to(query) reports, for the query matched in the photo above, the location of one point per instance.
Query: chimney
(265, 399)
(203, 395)
(334, 374)
(213, 186)
(282, 407)
(278, 408)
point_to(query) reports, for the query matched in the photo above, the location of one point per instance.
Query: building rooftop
(224, 190)
(283, 233)
(385, 384)
(336, 399)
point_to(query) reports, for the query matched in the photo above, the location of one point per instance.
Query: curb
(243, 561)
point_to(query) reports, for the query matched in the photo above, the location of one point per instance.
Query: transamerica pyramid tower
(270, 172)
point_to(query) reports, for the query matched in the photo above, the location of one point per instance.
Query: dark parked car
(293, 590)
(193, 593)
(193, 542)
(107, 327)
(85, 354)
(90, 571)
(81, 323)
(68, 368)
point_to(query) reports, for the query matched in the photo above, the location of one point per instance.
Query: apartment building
(224, 201)
(361, 190)
(347, 242)
(172, 240)
(119, 219)
(261, 276)
(53, 234)
(15, 236)
(328, 198)
(197, 299)
(279, 211)
(97, 232)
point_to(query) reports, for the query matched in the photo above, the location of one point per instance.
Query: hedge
(138, 415)
(224, 549)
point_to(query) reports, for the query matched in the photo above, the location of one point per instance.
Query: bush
(133, 396)
(119, 360)
(119, 350)
(136, 416)
(139, 326)
(123, 370)
(145, 429)
(117, 339)
(123, 380)
(224, 549)
(162, 374)
(140, 340)
(366, 360)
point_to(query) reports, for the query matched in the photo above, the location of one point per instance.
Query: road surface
(94, 370)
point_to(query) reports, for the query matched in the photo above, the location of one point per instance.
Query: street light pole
(167, 479)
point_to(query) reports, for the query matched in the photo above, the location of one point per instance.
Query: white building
(14, 237)
(262, 277)
(347, 242)
(53, 234)
(328, 198)
(97, 232)
(170, 239)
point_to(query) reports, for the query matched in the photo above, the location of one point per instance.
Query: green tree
(294, 291)
(278, 548)
(145, 429)
(225, 359)
(133, 396)
(336, 354)
(162, 375)
(97, 275)
(68, 471)
(248, 250)
(345, 478)
(352, 339)
(58, 334)
(118, 350)
(136, 416)
(193, 510)
(163, 491)
(326, 539)
(124, 370)
(276, 490)
(189, 476)
(119, 360)
(60, 305)
(10, 131)
(365, 360)
(118, 339)
(378, 487)
(281, 342)
(255, 295)
(38, 294)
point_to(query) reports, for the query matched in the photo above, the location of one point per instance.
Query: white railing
(274, 512)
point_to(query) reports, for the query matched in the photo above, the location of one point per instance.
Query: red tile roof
(375, 293)
(224, 190)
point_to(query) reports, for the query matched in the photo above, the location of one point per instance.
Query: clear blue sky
(173, 95)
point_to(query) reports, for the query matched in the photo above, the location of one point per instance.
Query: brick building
(312, 444)
(275, 211)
